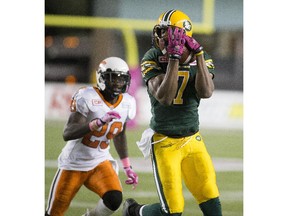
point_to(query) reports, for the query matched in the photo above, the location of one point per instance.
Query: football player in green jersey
(175, 88)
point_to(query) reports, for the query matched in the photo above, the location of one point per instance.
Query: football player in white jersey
(98, 115)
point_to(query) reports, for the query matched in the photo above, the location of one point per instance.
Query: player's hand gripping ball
(176, 42)
(193, 45)
(176, 46)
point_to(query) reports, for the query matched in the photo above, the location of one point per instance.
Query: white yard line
(142, 165)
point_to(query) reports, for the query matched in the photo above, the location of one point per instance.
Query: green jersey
(181, 118)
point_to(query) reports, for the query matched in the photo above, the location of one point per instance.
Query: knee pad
(113, 199)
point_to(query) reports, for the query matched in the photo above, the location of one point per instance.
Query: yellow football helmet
(174, 18)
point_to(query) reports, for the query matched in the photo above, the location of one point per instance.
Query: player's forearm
(121, 148)
(204, 84)
(75, 131)
(167, 90)
(120, 143)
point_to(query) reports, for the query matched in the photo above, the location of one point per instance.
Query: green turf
(228, 144)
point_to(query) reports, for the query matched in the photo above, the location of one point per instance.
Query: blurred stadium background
(79, 34)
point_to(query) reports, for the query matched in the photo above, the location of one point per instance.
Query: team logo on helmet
(187, 25)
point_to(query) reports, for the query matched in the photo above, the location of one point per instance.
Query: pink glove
(132, 177)
(193, 45)
(176, 42)
(108, 117)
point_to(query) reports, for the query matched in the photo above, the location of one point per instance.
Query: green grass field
(220, 143)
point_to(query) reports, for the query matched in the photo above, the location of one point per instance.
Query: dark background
(77, 61)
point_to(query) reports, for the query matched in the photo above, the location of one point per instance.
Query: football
(186, 56)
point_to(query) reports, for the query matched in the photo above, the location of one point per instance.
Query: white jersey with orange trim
(85, 153)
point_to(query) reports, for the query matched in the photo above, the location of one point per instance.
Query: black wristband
(102, 121)
(199, 50)
(175, 56)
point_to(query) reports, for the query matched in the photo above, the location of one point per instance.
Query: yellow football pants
(177, 159)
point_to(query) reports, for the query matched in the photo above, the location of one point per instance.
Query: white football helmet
(109, 67)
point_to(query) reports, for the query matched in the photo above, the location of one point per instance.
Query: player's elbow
(205, 91)
(66, 135)
(165, 101)
(205, 94)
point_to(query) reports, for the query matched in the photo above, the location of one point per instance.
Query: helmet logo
(187, 25)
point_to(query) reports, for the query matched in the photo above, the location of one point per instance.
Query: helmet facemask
(116, 82)
(158, 34)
